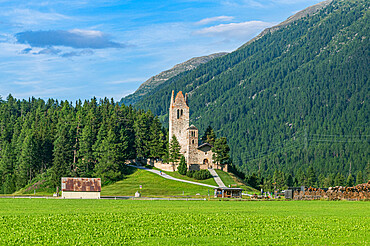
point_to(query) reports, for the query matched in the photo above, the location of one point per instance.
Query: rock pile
(358, 192)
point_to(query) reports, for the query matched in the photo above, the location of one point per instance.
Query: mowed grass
(153, 185)
(231, 179)
(176, 174)
(134, 222)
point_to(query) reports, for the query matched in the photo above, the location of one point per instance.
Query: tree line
(49, 139)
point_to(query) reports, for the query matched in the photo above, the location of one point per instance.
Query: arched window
(192, 141)
(178, 113)
(181, 112)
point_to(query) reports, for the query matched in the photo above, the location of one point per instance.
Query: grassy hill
(153, 186)
(157, 186)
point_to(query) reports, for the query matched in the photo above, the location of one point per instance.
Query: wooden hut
(81, 188)
(226, 192)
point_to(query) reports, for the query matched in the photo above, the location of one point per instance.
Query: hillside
(152, 83)
(293, 98)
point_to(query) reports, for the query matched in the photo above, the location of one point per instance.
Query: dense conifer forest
(293, 104)
(44, 141)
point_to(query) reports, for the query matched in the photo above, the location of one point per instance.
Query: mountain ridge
(156, 80)
(283, 98)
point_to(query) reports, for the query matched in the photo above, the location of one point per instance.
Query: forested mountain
(295, 100)
(151, 84)
(49, 140)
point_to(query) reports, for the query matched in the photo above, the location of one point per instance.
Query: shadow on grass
(128, 171)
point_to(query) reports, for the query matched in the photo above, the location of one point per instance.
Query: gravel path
(217, 178)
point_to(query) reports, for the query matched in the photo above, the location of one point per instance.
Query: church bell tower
(179, 120)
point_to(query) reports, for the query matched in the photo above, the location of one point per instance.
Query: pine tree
(27, 161)
(7, 162)
(109, 160)
(359, 178)
(157, 141)
(311, 177)
(339, 180)
(62, 153)
(182, 168)
(209, 136)
(350, 180)
(174, 150)
(221, 151)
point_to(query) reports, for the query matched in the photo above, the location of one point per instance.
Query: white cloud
(33, 17)
(243, 30)
(214, 19)
(128, 80)
(91, 33)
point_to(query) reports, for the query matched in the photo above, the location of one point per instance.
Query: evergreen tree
(182, 168)
(350, 180)
(209, 136)
(311, 177)
(221, 151)
(157, 141)
(339, 180)
(63, 155)
(359, 178)
(27, 161)
(367, 170)
(289, 180)
(253, 181)
(7, 162)
(174, 150)
(109, 161)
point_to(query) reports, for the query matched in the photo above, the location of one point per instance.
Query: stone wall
(80, 195)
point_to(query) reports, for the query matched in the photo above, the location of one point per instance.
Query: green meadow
(145, 222)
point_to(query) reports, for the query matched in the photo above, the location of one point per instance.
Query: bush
(190, 173)
(199, 175)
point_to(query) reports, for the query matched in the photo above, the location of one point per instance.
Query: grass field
(117, 222)
(153, 185)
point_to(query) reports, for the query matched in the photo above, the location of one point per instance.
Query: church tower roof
(180, 99)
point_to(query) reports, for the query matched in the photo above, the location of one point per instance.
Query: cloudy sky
(79, 49)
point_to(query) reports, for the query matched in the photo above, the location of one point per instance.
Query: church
(197, 156)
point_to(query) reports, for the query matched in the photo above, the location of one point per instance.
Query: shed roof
(228, 188)
(81, 184)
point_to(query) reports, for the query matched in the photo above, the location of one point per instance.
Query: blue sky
(71, 50)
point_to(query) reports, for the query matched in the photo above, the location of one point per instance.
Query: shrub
(200, 175)
(190, 173)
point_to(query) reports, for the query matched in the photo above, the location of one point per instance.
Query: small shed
(81, 188)
(226, 192)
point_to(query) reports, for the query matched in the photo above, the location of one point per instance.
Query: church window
(178, 113)
(181, 112)
(192, 141)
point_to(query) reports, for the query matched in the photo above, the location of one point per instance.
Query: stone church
(197, 156)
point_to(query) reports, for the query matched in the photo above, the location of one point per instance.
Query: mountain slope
(293, 98)
(161, 78)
